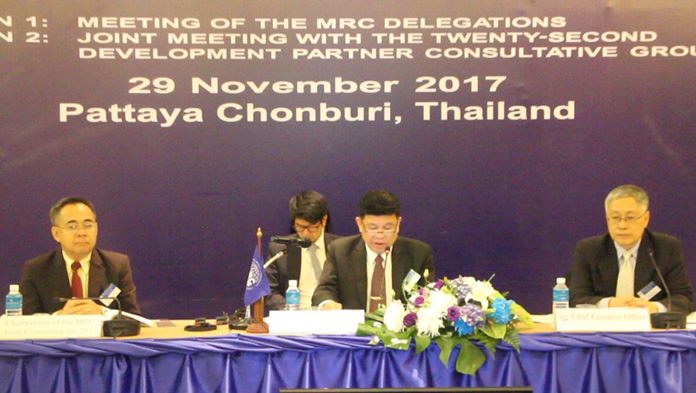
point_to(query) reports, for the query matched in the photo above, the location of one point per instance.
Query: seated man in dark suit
(309, 217)
(610, 269)
(77, 269)
(367, 270)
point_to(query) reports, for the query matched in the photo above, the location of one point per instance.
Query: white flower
(394, 316)
(441, 301)
(480, 291)
(429, 321)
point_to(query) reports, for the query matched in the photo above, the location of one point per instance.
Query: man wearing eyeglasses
(611, 269)
(366, 271)
(309, 218)
(77, 269)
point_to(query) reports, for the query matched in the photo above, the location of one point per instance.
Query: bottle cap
(292, 283)
(560, 280)
(14, 288)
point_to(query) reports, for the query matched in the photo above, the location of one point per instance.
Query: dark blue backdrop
(500, 197)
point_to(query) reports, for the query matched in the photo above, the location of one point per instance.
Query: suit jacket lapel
(399, 264)
(97, 275)
(609, 266)
(58, 268)
(328, 238)
(359, 261)
(644, 268)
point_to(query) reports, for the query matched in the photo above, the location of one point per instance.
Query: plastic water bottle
(13, 301)
(292, 296)
(561, 294)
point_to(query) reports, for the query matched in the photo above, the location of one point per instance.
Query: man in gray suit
(367, 270)
(309, 218)
(610, 269)
(77, 269)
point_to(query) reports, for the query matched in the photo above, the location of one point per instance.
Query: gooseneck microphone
(291, 241)
(668, 319)
(117, 327)
(274, 258)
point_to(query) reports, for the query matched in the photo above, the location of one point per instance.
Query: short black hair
(379, 203)
(56, 208)
(308, 205)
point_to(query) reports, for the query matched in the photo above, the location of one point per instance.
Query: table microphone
(117, 327)
(668, 319)
(274, 258)
(291, 241)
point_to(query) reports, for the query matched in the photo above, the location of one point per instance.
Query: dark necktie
(378, 294)
(76, 284)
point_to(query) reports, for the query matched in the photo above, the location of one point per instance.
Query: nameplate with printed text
(613, 319)
(50, 326)
(315, 321)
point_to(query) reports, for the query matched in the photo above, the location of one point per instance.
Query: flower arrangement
(459, 312)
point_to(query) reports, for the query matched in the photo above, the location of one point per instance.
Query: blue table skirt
(627, 362)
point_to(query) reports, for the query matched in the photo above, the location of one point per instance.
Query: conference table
(170, 359)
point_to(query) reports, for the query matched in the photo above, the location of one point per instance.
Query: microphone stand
(668, 319)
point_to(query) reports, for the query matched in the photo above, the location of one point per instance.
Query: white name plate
(613, 319)
(315, 322)
(50, 326)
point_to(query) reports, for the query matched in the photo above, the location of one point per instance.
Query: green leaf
(422, 343)
(470, 358)
(367, 329)
(446, 345)
(522, 314)
(494, 330)
(513, 339)
(400, 341)
(377, 315)
(489, 342)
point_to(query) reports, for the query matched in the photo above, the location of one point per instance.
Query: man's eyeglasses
(630, 219)
(74, 226)
(386, 231)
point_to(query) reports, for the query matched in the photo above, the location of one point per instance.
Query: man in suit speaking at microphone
(366, 270)
(611, 269)
(309, 217)
(77, 269)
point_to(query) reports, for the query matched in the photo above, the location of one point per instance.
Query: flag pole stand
(257, 324)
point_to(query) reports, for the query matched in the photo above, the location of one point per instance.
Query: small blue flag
(257, 283)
